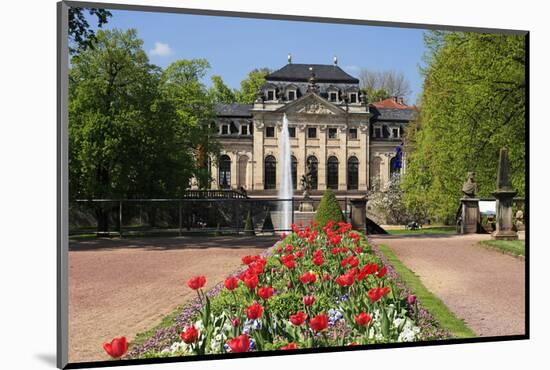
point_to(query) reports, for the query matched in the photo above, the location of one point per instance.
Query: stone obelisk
(504, 196)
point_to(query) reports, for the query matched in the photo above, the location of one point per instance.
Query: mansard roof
(301, 73)
(233, 110)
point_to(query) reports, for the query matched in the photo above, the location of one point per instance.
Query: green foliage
(472, 104)
(251, 85)
(329, 209)
(220, 92)
(81, 35)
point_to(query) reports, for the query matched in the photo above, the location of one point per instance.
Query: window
(270, 131)
(244, 130)
(312, 167)
(312, 132)
(294, 171)
(333, 96)
(332, 173)
(332, 133)
(353, 98)
(292, 95)
(270, 172)
(292, 132)
(353, 173)
(395, 166)
(395, 132)
(353, 133)
(270, 95)
(377, 132)
(224, 172)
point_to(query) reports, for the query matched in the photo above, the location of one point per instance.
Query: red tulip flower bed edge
(317, 287)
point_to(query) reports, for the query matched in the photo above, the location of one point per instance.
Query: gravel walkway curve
(484, 287)
(123, 287)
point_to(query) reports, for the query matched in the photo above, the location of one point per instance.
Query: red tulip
(235, 322)
(117, 348)
(288, 261)
(335, 250)
(239, 344)
(318, 260)
(251, 281)
(345, 280)
(196, 282)
(254, 311)
(298, 319)
(309, 300)
(376, 293)
(299, 254)
(190, 335)
(382, 272)
(290, 346)
(362, 319)
(319, 322)
(289, 248)
(308, 278)
(283, 235)
(411, 299)
(231, 283)
(265, 292)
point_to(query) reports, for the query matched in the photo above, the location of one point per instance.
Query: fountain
(285, 190)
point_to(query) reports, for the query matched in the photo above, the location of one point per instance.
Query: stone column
(359, 214)
(505, 196)
(470, 215)
(233, 181)
(258, 155)
(214, 172)
(343, 154)
(301, 152)
(322, 170)
(363, 157)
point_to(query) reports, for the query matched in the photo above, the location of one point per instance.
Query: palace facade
(350, 145)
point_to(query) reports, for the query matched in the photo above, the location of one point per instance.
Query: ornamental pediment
(311, 104)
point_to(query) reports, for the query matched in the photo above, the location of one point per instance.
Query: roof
(389, 109)
(233, 110)
(301, 73)
(391, 104)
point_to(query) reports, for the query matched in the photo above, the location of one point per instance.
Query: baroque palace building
(348, 144)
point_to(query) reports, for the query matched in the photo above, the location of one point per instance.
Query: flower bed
(319, 287)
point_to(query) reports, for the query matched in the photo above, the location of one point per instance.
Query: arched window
(270, 172)
(353, 173)
(375, 173)
(332, 173)
(312, 165)
(224, 172)
(243, 163)
(294, 171)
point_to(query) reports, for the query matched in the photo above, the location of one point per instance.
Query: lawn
(429, 301)
(513, 247)
(425, 231)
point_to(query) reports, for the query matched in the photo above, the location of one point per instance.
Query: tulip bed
(321, 287)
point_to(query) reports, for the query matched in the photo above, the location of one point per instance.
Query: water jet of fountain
(285, 190)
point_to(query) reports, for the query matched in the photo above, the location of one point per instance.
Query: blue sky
(235, 46)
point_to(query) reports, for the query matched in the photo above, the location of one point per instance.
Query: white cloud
(161, 49)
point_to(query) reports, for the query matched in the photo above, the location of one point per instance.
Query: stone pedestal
(470, 215)
(359, 214)
(504, 229)
(306, 206)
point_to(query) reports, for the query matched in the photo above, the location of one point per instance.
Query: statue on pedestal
(305, 182)
(469, 188)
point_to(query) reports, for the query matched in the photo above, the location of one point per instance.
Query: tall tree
(472, 104)
(384, 84)
(81, 34)
(251, 85)
(220, 92)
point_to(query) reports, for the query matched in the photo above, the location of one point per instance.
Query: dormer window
(291, 95)
(378, 132)
(244, 130)
(225, 130)
(333, 96)
(270, 95)
(353, 97)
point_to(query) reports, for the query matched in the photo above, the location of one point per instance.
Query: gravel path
(123, 287)
(484, 287)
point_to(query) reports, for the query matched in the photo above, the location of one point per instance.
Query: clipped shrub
(329, 209)
(268, 223)
(248, 226)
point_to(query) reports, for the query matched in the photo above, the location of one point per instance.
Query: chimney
(400, 100)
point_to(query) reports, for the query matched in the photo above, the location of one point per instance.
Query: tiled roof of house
(302, 73)
(233, 110)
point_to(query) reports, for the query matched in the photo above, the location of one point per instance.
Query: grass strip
(429, 301)
(513, 247)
